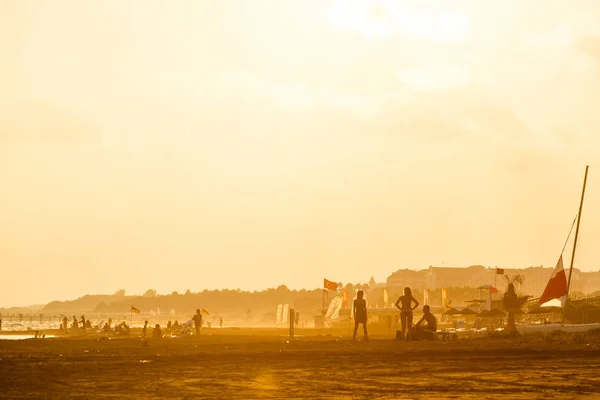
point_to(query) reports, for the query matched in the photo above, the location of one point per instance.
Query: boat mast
(575, 241)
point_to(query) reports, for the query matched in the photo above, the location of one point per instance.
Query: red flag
(557, 285)
(329, 285)
(344, 298)
(493, 289)
(499, 271)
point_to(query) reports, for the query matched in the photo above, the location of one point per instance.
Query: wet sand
(263, 364)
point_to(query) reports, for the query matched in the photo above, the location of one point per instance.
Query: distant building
(475, 276)
(376, 285)
(407, 277)
(437, 277)
(534, 283)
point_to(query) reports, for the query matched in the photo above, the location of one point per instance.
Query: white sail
(279, 313)
(285, 314)
(333, 312)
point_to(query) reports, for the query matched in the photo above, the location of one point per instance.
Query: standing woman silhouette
(360, 314)
(404, 303)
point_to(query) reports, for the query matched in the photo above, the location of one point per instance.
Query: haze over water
(235, 144)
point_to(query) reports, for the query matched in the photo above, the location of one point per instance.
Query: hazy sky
(246, 144)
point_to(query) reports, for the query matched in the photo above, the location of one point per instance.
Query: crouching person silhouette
(427, 331)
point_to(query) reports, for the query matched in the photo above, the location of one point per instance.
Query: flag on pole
(329, 285)
(344, 298)
(499, 271)
(557, 285)
(204, 312)
(134, 310)
(493, 289)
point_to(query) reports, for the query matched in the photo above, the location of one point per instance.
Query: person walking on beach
(65, 323)
(144, 330)
(197, 318)
(75, 323)
(220, 322)
(83, 323)
(406, 311)
(360, 314)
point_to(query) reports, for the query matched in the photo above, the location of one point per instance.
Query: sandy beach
(264, 364)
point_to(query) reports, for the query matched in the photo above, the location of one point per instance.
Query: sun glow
(381, 19)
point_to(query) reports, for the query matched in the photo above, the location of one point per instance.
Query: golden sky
(246, 144)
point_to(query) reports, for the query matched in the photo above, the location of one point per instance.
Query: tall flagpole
(575, 241)
(495, 278)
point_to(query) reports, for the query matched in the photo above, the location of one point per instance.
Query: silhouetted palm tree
(512, 302)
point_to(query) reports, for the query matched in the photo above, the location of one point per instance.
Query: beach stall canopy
(494, 312)
(451, 311)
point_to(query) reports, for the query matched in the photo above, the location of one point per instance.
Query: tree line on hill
(238, 301)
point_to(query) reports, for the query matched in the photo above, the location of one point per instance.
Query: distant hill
(217, 301)
(21, 310)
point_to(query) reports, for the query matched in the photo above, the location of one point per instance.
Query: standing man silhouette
(197, 318)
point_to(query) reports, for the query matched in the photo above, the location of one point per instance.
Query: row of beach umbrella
(496, 312)
(468, 311)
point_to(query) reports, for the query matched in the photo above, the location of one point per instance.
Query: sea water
(21, 337)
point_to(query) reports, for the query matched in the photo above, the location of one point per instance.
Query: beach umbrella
(488, 287)
(467, 311)
(544, 310)
(495, 312)
(451, 311)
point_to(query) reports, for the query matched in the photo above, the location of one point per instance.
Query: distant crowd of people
(75, 325)
(123, 329)
(425, 328)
